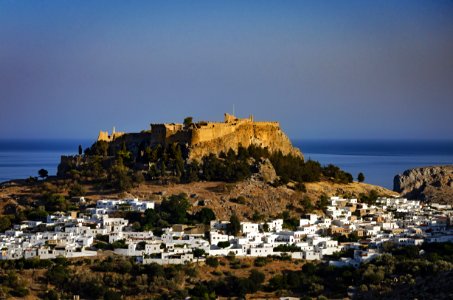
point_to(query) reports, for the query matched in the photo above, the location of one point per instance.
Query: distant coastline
(380, 160)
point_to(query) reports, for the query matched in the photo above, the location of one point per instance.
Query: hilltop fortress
(203, 138)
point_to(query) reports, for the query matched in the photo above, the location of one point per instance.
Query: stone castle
(204, 138)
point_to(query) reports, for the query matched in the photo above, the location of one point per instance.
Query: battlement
(232, 119)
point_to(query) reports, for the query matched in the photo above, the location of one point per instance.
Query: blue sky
(324, 69)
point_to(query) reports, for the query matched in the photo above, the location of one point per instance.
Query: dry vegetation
(258, 196)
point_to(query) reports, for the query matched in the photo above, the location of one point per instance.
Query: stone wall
(212, 131)
(170, 133)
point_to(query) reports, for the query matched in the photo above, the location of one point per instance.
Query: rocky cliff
(263, 135)
(434, 184)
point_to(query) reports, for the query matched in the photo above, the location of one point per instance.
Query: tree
(322, 202)
(188, 121)
(76, 190)
(5, 223)
(197, 252)
(55, 202)
(205, 215)
(235, 225)
(223, 244)
(100, 148)
(257, 277)
(43, 173)
(175, 209)
(361, 177)
(306, 204)
(37, 214)
(80, 150)
(119, 176)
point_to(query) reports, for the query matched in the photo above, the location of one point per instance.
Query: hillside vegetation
(404, 272)
(122, 169)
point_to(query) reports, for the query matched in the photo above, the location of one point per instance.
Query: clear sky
(324, 69)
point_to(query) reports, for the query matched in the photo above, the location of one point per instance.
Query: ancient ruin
(203, 138)
(105, 136)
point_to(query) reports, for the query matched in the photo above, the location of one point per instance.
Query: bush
(223, 244)
(58, 275)
(287, 248)
(20, 291)
(300, 186)
(121, 244)
(261, 261)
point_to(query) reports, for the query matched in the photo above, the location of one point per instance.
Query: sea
(378, 160)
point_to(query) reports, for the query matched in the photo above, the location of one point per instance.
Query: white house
(248, 227)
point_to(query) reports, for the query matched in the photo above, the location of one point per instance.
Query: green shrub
(212, 261)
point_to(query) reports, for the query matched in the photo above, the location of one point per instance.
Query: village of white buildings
(396, 220)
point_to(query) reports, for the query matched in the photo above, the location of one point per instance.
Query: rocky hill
(434, 184)
(261, 134)
(204, 138)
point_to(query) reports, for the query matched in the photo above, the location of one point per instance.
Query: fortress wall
(132, 140)
(171, 129)
(168, 133)
(158, 133)
(181, 137)
(211, 132)
(210, 124)
(275, 124)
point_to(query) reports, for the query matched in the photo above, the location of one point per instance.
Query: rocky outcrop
(433, 184)
(266, 171)
(263, 135)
